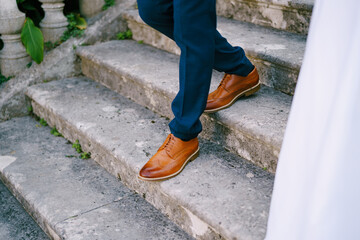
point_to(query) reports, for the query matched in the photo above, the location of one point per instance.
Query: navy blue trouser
(192, 25)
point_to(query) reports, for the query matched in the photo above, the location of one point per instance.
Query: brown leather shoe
(170, 159)
(230, 89)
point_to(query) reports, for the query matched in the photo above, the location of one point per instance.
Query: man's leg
(193, 27)
(194, 32)
(229, 59)
(159, 15)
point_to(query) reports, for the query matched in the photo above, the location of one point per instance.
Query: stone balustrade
(13, 56)
(90, 8)
(54, 23)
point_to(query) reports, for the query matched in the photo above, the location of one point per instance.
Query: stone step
(289, 15)
(15, 222)
(71, 198)
(253, 127)
(219, 195)
(277, 55)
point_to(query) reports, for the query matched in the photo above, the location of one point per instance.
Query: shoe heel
(194, 156)
(252, 91)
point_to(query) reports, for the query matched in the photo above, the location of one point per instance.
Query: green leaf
(80, 22)
(77, 146)
(4, 79)
(108, 3)
(55, 132)
(76, 27)
(43, 122)
(124, 35)
(33, 40)
(30, 109)
(85, 155)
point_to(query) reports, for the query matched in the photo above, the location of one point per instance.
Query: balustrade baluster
(54, 23)
(13, 56)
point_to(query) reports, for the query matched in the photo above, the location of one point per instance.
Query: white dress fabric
(317, 185)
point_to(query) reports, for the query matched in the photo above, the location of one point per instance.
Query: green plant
(140, 42)
(77, 146)
(4, 79)
(55, 132)
(85, 155)
(33, 40)
(108, 3)
(49, 45)
(31, 35)
(124, 35)
(30, 109)
(76, 27)
(43, 122)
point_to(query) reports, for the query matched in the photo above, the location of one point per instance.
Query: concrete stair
(289, 15)
(71, 198)
(277, 54)
(217, 196)
(224, 194)
(253, 127)
(15, 222)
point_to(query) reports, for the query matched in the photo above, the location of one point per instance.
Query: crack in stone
(93, 209)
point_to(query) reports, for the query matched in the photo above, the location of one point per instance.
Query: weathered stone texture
(89, 8)
(60, 62)
(13, 56)
(69, 197)
(253, 127)
(219, 195)
(292, 16)
(15, 222)
(277, 55)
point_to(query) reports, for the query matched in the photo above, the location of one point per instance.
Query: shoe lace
(169, 143)
(225, 79)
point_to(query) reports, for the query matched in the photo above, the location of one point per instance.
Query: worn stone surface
(253, 127)
(15, 222)
(277, 55)
(219, 195)
(11, 19)
(142, 32)
(289, 15)
(90, 8)
(69, 197)
(60, 62)
(54, 23)
(13, 56)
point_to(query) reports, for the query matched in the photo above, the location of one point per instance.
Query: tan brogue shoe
(170, 159)
(230, 89)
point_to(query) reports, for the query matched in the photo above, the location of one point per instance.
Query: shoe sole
(245, 93)
(191, 158)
